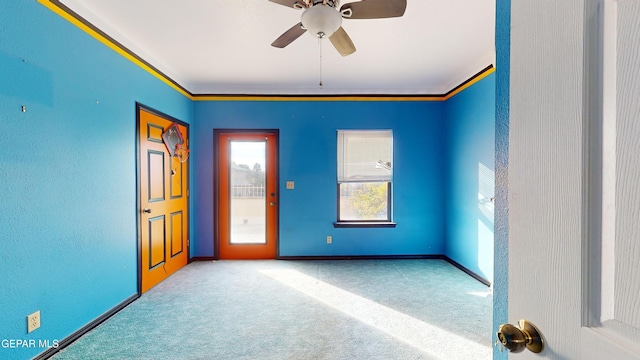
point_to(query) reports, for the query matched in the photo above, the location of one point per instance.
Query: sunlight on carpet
(425, 337)
(482, 294)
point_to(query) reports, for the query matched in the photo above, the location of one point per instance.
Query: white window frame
(365, 166)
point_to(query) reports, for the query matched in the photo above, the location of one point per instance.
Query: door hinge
(188, 242)
(187, 192)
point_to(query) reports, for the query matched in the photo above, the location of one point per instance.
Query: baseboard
(361, 257)
(469, 272)
(85, 329)
(202, 258)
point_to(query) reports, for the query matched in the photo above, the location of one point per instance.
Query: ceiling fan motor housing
(321, 20)
(332, 3)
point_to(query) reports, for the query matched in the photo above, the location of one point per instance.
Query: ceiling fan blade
(287, 3)
(289, 35)
(374, 9)
(342, 42)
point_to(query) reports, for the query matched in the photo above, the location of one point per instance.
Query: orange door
(247, 197)
(164, 203)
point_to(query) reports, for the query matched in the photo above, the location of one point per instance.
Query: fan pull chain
(320, 45)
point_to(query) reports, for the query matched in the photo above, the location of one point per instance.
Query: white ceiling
(224, 46)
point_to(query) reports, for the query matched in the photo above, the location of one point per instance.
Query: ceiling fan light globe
(321, 20)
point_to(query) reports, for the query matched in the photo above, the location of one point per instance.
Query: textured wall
(501, 213)
(470, 177)
(67, 173)
(308, 157)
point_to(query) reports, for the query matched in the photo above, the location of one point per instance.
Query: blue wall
(443, 152)
(470, 177)
(501, 238)
(308, 157)
(67, 173)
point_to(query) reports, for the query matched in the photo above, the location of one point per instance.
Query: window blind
(364, 155)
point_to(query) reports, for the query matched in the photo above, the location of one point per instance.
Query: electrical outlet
(329, 239)
(33, 321)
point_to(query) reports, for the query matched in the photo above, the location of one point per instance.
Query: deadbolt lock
(517, 338)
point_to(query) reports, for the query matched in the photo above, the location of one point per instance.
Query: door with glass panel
(246, 195)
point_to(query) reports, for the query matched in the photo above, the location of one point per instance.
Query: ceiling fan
(321, 18)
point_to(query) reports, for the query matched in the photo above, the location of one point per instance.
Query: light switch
(290, 185)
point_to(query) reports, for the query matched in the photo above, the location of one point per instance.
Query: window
(364, 177)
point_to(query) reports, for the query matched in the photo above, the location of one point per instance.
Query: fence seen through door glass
(247, 192)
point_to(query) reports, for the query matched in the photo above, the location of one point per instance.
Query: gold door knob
(516, 339)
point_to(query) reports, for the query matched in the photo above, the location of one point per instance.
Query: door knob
(271, 203)
(516, 339)
(146, 211)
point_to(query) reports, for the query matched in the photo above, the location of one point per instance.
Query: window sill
(364, 224)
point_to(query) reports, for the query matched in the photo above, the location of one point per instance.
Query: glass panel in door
(247, 192)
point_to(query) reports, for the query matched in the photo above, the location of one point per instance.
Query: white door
(574, 206)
